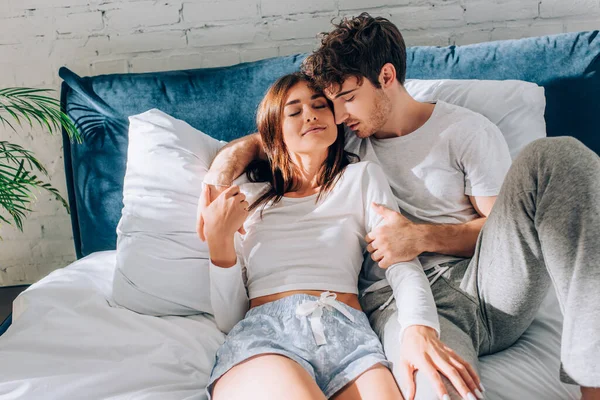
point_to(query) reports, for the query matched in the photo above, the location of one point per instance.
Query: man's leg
(544, 229)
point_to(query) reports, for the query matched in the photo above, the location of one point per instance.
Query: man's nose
(340, 115)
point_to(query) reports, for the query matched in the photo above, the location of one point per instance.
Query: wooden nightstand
(7, 295)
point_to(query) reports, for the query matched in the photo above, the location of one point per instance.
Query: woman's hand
(226, 214)
(222, 218)
(422, 350)
(208, 195)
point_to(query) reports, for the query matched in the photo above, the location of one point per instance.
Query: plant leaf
(32, 104)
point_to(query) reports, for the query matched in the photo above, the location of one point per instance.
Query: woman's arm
(228, 296)
(229, 163)
(407, 279)
(413, 295)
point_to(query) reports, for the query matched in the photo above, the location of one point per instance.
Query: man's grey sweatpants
(544, 230)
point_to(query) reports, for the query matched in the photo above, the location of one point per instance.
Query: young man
(446, 166)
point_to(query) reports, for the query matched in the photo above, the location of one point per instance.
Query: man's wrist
(217, 179)
(216, 184)
(429, 238)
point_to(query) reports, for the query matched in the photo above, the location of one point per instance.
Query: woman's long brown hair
(278, 169)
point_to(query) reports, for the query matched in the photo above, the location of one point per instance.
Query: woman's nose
(313, 118)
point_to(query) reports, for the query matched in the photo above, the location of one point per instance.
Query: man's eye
(321, 106)
(350, 99)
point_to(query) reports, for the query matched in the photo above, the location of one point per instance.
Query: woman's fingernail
(478, 394)
(481, 386)
(470, 396)
(445, 397)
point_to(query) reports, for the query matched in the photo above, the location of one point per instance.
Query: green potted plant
(19, 166)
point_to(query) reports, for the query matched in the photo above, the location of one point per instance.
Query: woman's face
(308, 122)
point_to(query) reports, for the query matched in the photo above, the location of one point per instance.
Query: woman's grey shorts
(351, 348)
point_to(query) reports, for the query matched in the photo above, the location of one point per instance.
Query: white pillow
(162, 265)
(516, 107)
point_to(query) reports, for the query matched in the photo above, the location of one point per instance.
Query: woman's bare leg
(377, 383)
(267, 377)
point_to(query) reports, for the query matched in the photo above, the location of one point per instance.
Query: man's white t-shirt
(457, 153)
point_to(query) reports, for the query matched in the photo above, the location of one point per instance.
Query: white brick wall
(109, 36)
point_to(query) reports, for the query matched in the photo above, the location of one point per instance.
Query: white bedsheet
(68, 342)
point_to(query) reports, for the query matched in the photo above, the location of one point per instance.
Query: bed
(70, 340)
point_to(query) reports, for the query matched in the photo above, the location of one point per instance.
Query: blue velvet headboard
(222, 103)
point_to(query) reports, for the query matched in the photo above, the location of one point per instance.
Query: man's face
(362, 107)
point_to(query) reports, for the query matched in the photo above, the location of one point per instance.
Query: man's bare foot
(590, 393)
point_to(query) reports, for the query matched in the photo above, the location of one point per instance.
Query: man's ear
(387, 76)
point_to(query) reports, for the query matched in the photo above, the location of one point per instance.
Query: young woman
(286, 291)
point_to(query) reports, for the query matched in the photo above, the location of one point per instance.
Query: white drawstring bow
(314, 309)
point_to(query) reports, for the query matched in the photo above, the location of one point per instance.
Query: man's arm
(456, 240)
(231, 161)
(460, 239)
(402, 240)
(485, 160)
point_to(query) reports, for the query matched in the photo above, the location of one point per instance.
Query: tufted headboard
(222, 102)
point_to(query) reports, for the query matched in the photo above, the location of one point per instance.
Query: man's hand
(208, 195)
(421, 350)
(396, 239)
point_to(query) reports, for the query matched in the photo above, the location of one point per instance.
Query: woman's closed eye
(316, 106)
(349, 99)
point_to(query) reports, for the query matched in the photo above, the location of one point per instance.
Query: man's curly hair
(359, 47)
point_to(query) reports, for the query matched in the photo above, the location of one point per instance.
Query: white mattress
(68, 342)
